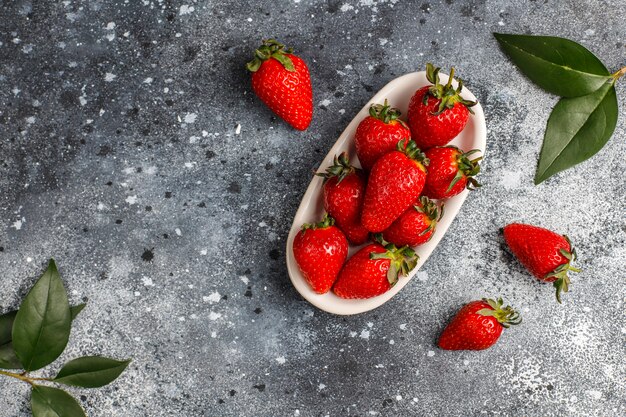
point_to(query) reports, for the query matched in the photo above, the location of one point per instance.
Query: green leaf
(577, 129)
(559, 66)
(91, 371)
(75, 310)
(8, 360)
(42, 325)
(54, 402)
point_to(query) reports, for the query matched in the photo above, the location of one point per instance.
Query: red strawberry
(450, 172)
(437, 113)
(395, 182)
(416, 225)
(282, 82)
(478, 325)
(547, 255)
(344, 189)
(320, 251)
(374, 270)
(379, 133)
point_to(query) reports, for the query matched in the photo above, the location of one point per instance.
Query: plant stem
(620, 73)
(22, 377)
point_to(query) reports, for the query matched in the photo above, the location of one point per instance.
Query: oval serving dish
(399, 93)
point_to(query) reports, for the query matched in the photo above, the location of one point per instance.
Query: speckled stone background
(120, 157)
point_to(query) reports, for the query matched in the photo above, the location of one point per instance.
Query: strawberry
(450, 172)
(379, 134)
(374, 269)
(320, 251)
(547, 255)
(478, 325)
(437, 113)
(344, 189)
(282, 81)
(396, 180)
(416, 225)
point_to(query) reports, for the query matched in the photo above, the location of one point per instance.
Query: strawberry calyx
(506, 316)
(447, 95)
(432, 210)
(403, 259)
(385, 113)
(411, 150)
(326, 222)
(560, 272)
(341, 168)
(467, 168)
(271, 48)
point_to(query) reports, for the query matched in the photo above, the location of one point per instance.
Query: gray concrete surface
(119, 157)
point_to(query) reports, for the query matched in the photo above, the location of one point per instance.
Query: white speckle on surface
(321, 386)
(325, 102)
(214, 316)
(365, 334)
(238, 129)
(147, 282)
(383, 41)
(403, 326)
(212, 298)
(213, 335)
(190, 118)
(29, 259)
(30, 120)
(431, 353)
(345, 7)
(510, 179)
(281, 360)
(178, 232)
(17, 224)
(465, 362)
(352, 334)
(110, 26)
(500, 23)
(244, 279)
(204, 252)
(131, 199)
(148, 80)
(422, 276)
(398, 397)
(596, 395)
(108, 77)
(185, 9)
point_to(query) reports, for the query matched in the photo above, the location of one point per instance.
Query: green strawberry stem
(506, 316)
(560, 272)
(385, 113)
(271, 49)
(433, 211)
(412, 151)
(326, 221)
(341, 168)
(403, 260)
(619, 74)
(468, 168)
(446, 94)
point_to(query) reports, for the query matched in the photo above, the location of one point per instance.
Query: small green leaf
(8, 360)
(42, 325)
(577, 129)
(75, 310)
(54, 402)
(559, 66)
(90, 372)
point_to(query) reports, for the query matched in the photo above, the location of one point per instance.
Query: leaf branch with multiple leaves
(34, 336)
(585, 117)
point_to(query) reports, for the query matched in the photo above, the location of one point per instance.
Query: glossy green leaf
(577, 129)
(42, 325)
(90, 371)
(75, 310)
(54, 402)
(8, 360)
(559, 66)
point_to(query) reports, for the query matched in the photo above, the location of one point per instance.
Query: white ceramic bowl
(398, 92)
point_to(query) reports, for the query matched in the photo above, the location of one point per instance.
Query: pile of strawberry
(396, 198)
